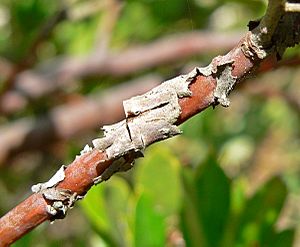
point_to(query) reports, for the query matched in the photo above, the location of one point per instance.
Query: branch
(151, 117)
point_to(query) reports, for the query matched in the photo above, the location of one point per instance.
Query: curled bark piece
(53, 181)
(225, 84)
(60, 201)
(86, 149)
(221, 69)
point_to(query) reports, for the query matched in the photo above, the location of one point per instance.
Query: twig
(36, 84)
(82, 10)
(149, 118)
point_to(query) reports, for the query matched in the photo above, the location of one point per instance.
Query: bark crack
(150, 117)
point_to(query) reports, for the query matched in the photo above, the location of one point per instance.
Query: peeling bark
(152, 117)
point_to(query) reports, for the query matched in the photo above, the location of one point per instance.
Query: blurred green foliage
(209, 208)
(205, 188)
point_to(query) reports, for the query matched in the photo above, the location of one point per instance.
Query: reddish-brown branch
(31, 212)
(203, 87)
(80, 175)
(91, 110)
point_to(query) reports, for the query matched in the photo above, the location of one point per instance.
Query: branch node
(252, 48)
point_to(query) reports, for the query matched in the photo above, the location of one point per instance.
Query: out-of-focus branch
(83, 9)
(5, 68)
(29, 58)
(73, 13)
(33, 84)
(106, 27)
(162, 51)
(44, 33)
(64, 122)
(265, 91)
(149, 118)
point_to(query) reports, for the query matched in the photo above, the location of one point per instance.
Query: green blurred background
(231, 179)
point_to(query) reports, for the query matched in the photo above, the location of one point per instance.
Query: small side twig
(292, 7)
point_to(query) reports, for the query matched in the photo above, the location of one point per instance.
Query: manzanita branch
(66, 121)
(150, 118)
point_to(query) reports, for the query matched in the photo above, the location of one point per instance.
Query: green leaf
(212, 200)
(206, 206)
(237, 205)
(119, 200)
(261, 213)
(94, 208)
(282, 239)
(77, 39)
(149, 224)
(157, 175)
(108, 208)
(189, 218)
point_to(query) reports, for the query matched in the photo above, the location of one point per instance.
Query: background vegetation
(231, 179)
